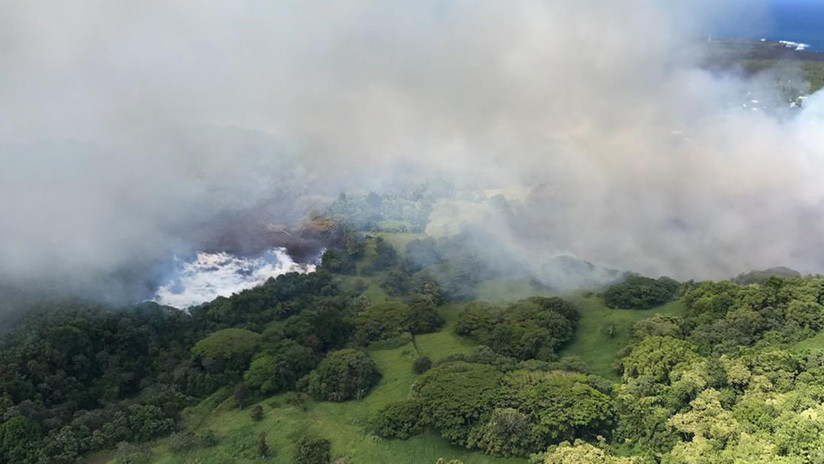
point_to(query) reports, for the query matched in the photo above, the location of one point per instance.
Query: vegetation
(343, 375)
(638, 292)
(311, 449)
(729, 372)
(534, 328)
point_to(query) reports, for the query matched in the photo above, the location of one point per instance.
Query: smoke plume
(127, 128)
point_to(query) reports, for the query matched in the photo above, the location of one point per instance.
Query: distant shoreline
(765, 49)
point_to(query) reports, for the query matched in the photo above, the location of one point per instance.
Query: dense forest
(730, 379)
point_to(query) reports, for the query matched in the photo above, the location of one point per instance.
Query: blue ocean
(799, 21)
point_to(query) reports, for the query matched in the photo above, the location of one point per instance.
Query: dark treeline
(77, 378)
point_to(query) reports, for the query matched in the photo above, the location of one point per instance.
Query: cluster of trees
(395, 320)
(78, 378)
(725, 383)
(345, 244)
(405, 211)
(381, 213)
(75, 379)
(534, 328)
(510, 409)
(722, 384)
(638, 292)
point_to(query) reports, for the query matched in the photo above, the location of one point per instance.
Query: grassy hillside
(345, 424)
(592, 342)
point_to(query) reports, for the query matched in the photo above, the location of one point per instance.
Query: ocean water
(799, 21)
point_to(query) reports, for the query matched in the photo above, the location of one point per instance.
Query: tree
(343, 375)
(279, 367)
(533, 328)
(382, 321)
(638, 292)
(19, 438)
(401, 420)
(422, 315)
(656, 356)
(455, 396)
(396, 283)
(557, 406)
(385, 256)
(583, 453)
(241, 394)
(507, 433)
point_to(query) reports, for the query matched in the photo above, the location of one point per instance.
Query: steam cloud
(127, 127)
(220, 274)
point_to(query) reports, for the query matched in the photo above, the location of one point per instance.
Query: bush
(311, 449)
(421, 365)
(182, 441)
(399, 420)
(637, 292)
(257, 413)
(343, 375)
(262, 446)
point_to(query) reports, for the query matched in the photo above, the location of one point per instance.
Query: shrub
(311, 449)
(399, 420)
(257, 413)
(262, 446)
(421, 365)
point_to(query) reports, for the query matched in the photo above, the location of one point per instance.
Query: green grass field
(813, 343)
(502, 291)
(592, 343)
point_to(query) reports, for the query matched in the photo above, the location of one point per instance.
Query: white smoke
(126, 125)
(211, 275)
